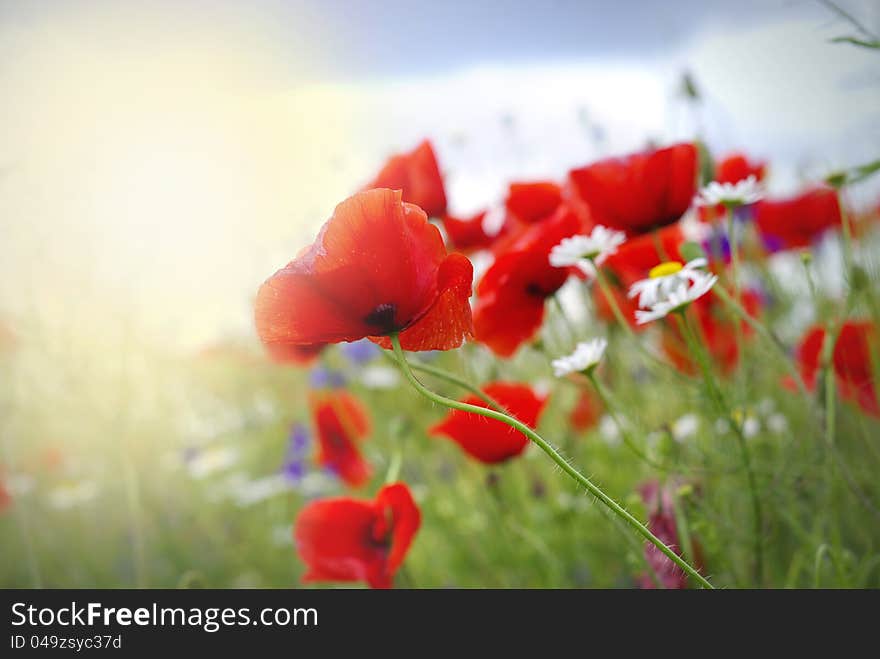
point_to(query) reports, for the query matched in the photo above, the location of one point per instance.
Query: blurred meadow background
(159, 160)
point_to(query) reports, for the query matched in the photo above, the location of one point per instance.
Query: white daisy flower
(677, 299)
(751, 427)
(666, 278)
(747, 191)
(586, 356)
(587, 252)
(685, 427)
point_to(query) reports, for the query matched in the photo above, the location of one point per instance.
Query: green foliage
(127, 421)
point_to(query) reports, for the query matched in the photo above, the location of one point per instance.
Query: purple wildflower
(359, 352)
(299, 438)
(294, 466)
(325, 378)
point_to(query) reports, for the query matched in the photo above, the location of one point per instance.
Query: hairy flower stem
(554, 455)
(696, 348)
(452, 378)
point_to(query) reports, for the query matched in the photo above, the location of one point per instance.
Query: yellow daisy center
(665, 269)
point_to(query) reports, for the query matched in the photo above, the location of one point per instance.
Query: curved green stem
(452, 378)
(554, 455)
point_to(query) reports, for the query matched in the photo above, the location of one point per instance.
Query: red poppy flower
(302, 355)
(718, 330)
(532, 202)
(633, 260)
(799, 221)
(345, 539)
(417, 175)
(853, 362)
(526, 204)
(586, 412)
(636, 193)
(341, 421)
(377, 267)
(736, 167)
(488, 440)
(732, 169)
(467, 234)
(510, 297)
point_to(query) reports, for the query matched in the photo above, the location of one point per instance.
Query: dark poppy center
(535, 290)
(382, 318)
(336, 440)
(381, 531)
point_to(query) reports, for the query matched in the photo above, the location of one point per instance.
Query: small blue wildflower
(298, 438)
(744, 213)
(294, 470)
(772, 243)
(325, 378)
(294, 466)
(718, 245)
(360, 352)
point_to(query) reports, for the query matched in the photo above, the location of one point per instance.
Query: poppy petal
(797, 221)
(417, 175)
(853, 362)
(373, 270)
(449, 321)
(510, 296)
(302, 355)
(504, 320)
(467, 235)
(532, 202)
(636, 193)
(333, 538)
(405, 521)
(488, 440)
(344, 539)
(341, 420)
(736, 167)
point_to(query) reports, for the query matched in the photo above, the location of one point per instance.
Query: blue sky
(390, 38)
